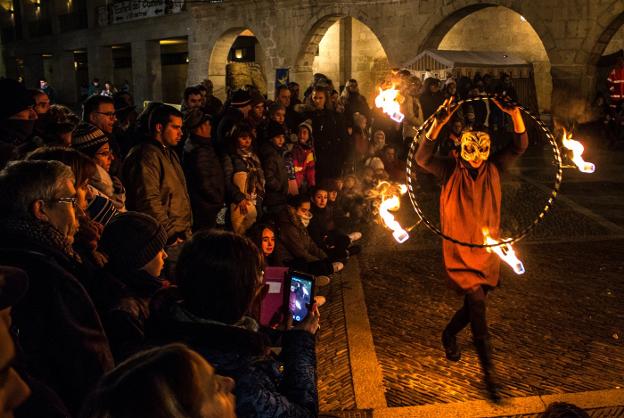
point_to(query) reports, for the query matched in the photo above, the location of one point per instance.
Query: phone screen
(300, 296)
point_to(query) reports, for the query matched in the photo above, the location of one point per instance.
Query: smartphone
(300, 294)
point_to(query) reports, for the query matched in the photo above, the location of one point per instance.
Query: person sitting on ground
(323, 229)
(135, 245)
(303, 158)
(211, 318)
(172, 381)
(274, 167)
(60, 332)
(203, 170)
(95, 144)
(299, 250)
(393, 165)
(244, 179)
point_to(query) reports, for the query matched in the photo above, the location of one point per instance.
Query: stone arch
(604, 38)
(219, 57)
(362, 65)
(457, 31)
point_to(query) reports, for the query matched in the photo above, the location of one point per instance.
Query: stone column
(146, 71)
(33, 70)
(572, 90)
(346, 41)
(67, 88)
(100, 63)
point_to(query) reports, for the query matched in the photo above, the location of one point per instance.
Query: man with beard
(470, 202)
(17, 121)
(59, 332)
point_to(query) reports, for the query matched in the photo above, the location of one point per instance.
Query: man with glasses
(59, 331)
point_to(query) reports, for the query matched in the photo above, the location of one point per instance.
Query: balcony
(73, 21)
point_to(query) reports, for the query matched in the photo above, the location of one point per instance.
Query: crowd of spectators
(136, 241)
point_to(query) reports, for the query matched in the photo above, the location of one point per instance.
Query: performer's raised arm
(424, 154)
(507, 157)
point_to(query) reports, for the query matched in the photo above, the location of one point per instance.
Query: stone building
(161, 46)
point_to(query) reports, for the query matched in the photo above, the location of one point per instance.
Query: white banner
(128, 10)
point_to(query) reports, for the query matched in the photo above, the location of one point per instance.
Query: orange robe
(467, 205)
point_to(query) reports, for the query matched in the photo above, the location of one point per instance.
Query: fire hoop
(411, 165)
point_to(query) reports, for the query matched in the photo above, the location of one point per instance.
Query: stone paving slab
(556, 329)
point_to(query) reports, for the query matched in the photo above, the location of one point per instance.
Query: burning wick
(393, 203)
(577, 151)
(387, 101)
(504, 251)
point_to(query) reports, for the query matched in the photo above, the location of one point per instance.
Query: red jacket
(616, 84)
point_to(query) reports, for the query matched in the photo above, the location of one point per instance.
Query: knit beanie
(88, 139)
(15, 98)
(131, 240)
(307, 124)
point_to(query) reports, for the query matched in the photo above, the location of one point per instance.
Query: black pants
(473, 313)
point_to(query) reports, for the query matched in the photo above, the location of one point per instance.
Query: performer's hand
(446, 110)
(512, 109)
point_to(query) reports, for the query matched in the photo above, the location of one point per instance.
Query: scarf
(40, 232)
(184, 315)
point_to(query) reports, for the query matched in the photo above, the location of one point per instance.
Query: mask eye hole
(470, 149)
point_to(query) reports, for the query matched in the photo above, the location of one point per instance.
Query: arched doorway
(478, 28)
(241, 48)
(342, 47)
(606, 52)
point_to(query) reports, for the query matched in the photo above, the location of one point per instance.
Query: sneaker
(322, 281)
(337, 266)
(354, 236)
(320, 300)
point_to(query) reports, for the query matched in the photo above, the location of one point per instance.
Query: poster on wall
(281, 77)
(128, 10)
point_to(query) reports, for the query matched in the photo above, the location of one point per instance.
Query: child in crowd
(303, 157)
(274, 167)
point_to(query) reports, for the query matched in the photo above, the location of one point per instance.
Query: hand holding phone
(300, 295)
(311, 322)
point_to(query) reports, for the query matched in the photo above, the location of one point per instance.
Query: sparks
(577, 151)
(387, 101)
(504, 251)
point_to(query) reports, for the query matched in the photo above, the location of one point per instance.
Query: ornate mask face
(475, 147)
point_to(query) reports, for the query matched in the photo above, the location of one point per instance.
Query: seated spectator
(244, 179)
(203, 170)
(352, 200)
(37, 226)
(335, 203)
(299, 250)
(303, 157)
(89, 229)
(135, 245)
(274, 167)
(166, 382)
(392, 165)
(211, 318)
(95, 144)
(324, 231)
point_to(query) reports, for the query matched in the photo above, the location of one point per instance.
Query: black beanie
(131, 240)
(15, 98)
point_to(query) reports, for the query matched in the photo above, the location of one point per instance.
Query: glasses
(72, 200)
(107, 114)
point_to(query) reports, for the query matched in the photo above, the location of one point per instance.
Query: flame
(577, 151)
(390, 201)
(504, 251)
(387, 101)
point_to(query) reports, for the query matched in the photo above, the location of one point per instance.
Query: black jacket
(330, 139)
(205, 180)
(275, 175)
(60, 337)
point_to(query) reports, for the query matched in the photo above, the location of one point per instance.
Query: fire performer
(469, 201)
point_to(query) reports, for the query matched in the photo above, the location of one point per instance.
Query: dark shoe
(490, 377)
(451, 349)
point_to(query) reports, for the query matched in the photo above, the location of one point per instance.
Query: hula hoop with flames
(411, 165)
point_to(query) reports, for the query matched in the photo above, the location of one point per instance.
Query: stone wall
(502, 29)
(617, 42)
(369, 63)
(328, 59)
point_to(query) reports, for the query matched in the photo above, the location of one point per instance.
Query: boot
(451, 349)
(484, 351)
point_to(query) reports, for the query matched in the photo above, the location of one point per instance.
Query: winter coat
(235, 163)
(296, 241)
(206, 181)
(275, 175)
(231, 116)
(109, 187)
(304, 162)
(330, 137)
(61, 340)
(155, 185)
(128, 310)
(266, 386)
